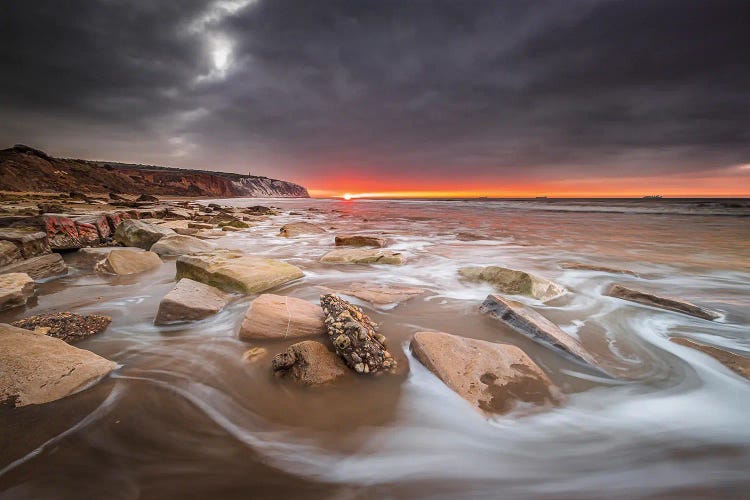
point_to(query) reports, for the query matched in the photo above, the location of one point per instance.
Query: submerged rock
(298, 228)
(125, 261)
(40, 267)
(178, 244)
(592, 267)
(363, 256)
(87, 258)
(530, 323)
(360, 240)
(38, 369)
(738, 364)
(190, 301)
(380, 294)
(514, 282)
(233, 271)
(136, 233)
(309, 363)
(355, 337)
(15, 290)
(668, 303)
(278, 316)
(495, 378)
(66, 326)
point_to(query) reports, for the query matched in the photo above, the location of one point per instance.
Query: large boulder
(15, 290)
(298, 228)
(355, 337)
(40, 267)
(29, 243)
(62, 233)
(87, 258)
(380, 294)
(668, 303)
(190, 301)
(99, 222)
(66, 326)
(495, 378)
(124, 261)
(278, 316)
(309, 363)
(178, 244)
(360, 240)
(136, 233)
(37, 369)
(514, 282)
(530, 323)
(233, 271)
(738, 364)
(363, 256)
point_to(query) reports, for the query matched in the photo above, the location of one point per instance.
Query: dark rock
(66, 326)
(360, 240)
(51, 208)
(668, 303)
(148, 198)
(309, 363)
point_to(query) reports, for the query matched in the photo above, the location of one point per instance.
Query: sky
(380, 97)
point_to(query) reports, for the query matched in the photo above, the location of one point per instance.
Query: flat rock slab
(37, 369)
(234, 271)
(9, 253)
(309, 363)
(355, 337)
(87, 258)
(495, 378)
(40, 267)
(379, 294)
(178, 244)
(738, 364)
(277, 316)
(363, 256)
(28, 242)
(124, 262)
(136, 233)
(299, 228)
(667, 303)
(360, 240)
(15, 290)
(66, 326)
(190, 301)
(513, 282)
(199, 225)
(530, 323)
(592, 267)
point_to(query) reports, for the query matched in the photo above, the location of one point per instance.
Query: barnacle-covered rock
(355, 337)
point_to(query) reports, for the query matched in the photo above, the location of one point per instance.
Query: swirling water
(185, 417)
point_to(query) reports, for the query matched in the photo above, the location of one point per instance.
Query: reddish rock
(88, 235)
(98, 221)
(62, 233)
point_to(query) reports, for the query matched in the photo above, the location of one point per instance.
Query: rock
(29, 243)
(668, 303)
(591, 267)
(277, 316)
(355, 337)
(114, 219)
(51, 208)
(530, 323)
(43, 266)
(37, 369)
(360, 240)
(259, 210)
(87, 234)
(99, 222)
(210, 234)
(235, 223)
(298, 228)
(230, 229)
(125, 261)
(62, 233)
(136, 233)
(179, 213)
(380, 294)
(362, 256)
(66, 326)
(186, 231)
(738, 364)
(15, 290)
(116, 197)
(148, 198)
(495, 378)
(190, 301)
(178, 244)
(87, 258)
(309, 363)
(254, 353)
(200, 225)
(9, 253)
(514, 282)
(233, 271)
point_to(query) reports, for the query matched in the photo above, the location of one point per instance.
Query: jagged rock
(9, 253)
(15, 290)
(30, 243)
(738, 364)
(592, 267)
(62, 233)
(99, 222)
(87, 234)
(38, 369)
(66, 326)
(148, 198)
(514, 282)
(380, 294)
(495, 378)
(530, 323)
(114, 219)
(124, 261)
(355, 337)
(190, 301)
(668, 303)
(278, 316)
(360, 240)
(362, 256)
(309, 363)
(136, 233)
(233, 271)
(178, 244)
(298, 228)
(200, 225)
(40, 267)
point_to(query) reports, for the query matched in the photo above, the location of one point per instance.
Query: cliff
(26, 169)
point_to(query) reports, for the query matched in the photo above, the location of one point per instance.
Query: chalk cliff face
(26, 169)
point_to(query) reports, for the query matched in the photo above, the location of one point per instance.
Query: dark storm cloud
(388, 87)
